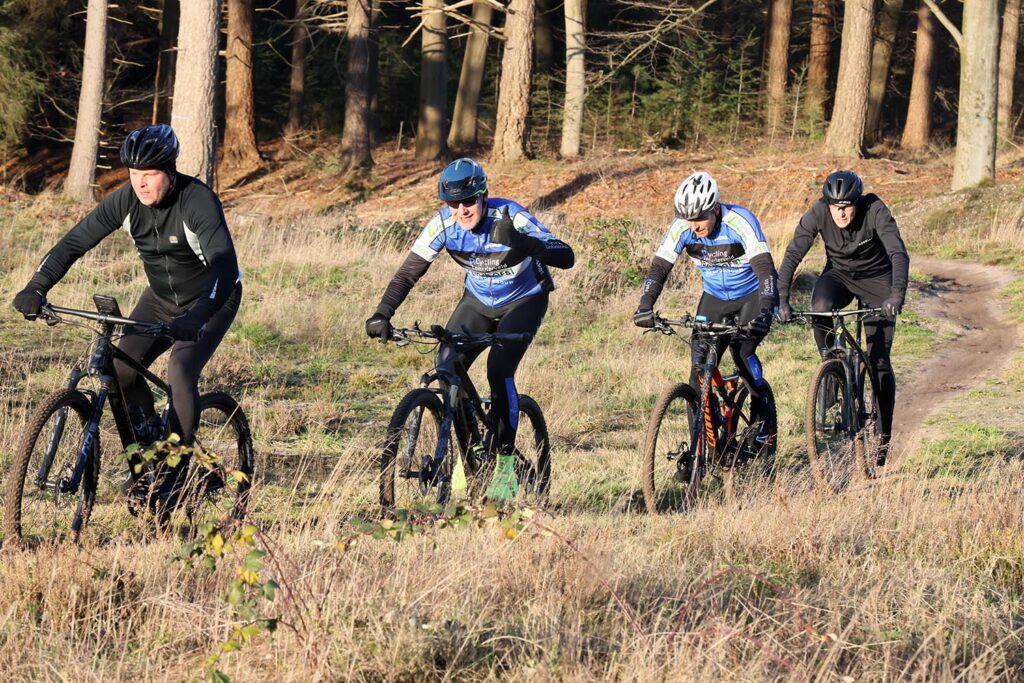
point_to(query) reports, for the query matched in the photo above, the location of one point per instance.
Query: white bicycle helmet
(697, 195)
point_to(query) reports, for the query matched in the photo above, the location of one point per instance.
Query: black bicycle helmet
(154, 146)
(842, 187)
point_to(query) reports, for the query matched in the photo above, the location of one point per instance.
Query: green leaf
(235, 593)
(254, 560)
(218, 676)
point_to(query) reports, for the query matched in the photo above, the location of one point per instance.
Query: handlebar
(406, 335)
(860, 314)
(52, 315)
(667, 325)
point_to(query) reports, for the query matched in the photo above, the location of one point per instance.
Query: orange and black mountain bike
(685, 454)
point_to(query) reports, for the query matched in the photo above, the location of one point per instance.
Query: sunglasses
(456, 203)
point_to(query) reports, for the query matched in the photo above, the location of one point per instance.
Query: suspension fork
(89, 441)
(57, 431)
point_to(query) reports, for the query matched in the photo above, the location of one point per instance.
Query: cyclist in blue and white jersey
(726, 244)
(506, 253)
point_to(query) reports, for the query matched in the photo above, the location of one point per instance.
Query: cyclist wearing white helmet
(727, 245)
(506, 253)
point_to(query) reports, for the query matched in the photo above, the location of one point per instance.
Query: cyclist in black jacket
(179, 231)
(866, 259)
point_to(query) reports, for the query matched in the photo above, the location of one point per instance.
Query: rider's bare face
(150, 185)
(842, 214)
(703, 225)
(467, 212)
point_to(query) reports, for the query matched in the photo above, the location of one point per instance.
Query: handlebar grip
(514, 337)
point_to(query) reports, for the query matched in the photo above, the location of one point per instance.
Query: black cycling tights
(184, 366)
(473, 316)
(744, 351)
(835, 290)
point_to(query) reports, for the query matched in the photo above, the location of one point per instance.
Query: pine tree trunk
(510, 130)
(240, 151)
(375, 18)
(817, 61)
(975, 159)
(544, 39)
(845, 136)
(778, 62)
(166, 60)
(1008, 68)
(297, 83)
(575, 76)
(467, 99)
(881, 59)
(355, 141)
(82, 171)
(917, 129)
(195, 88)
(431, 136)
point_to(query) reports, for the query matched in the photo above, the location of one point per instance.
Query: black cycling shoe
(684, 471)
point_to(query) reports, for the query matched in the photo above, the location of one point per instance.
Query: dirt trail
(966, 294)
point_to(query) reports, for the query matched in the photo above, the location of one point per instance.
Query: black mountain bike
(694, 434)
(841, 416)
(51, 489)
(419, 452)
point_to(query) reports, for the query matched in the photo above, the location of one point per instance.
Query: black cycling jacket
(184, 244)
(869, 247)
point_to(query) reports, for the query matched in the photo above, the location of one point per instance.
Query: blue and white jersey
(723, 257)
(491, 275)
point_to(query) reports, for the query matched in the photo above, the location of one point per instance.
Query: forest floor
(917, 575)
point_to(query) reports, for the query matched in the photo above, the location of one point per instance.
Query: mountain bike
(696, 434)
(420, 454)
(841, 416)
(50, 492)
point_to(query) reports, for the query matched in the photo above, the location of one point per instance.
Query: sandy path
(964, 293)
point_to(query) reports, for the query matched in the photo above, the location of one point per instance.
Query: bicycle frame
(846, 347)
(455, 388)
(714, 426)
(101, 367)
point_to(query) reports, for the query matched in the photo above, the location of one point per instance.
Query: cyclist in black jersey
(866, 259)
(506, 253)
(179, 230)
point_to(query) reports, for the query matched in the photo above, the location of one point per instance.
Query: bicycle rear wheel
(413, 435)
(828, 426)
(533, 457)
(36, 509)
(218, 483)
(868, 438)
(752, 460)
(669, 482)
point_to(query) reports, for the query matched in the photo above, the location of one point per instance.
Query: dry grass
(913, 577)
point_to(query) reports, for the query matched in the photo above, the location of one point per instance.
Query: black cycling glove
(892, 306)
(378, 326)
(29, 301)
(644, 317)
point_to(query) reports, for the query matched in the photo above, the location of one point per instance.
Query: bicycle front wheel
(672, 467)
(39, 506)
(828, 426)
(407, 472)
(219, 480)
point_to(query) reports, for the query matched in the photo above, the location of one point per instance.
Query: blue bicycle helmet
(462, 179)
(154, 146)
